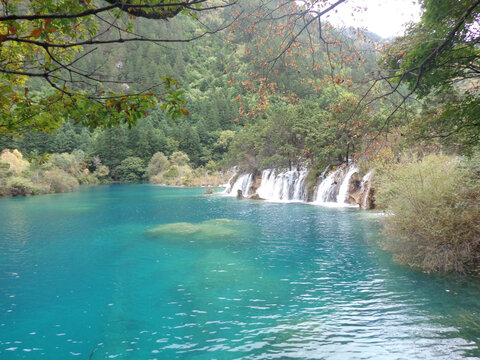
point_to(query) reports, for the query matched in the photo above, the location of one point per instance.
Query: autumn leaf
(36, 33)
(184, 111)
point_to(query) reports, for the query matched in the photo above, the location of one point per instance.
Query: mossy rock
(205, 231)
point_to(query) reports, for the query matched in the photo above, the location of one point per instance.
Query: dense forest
(255, 96)
(222, 87)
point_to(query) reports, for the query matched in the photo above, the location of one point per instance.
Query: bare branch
(132, 9)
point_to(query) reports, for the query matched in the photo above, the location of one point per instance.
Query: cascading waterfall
(247, 185)
(366, 179)
(366, 191)
(243, 183)
(326, 191)
(228, 185)
(333, 190)
(284, 186)
(343, 191)
(299, 188)
(289, 185)
(267, 186)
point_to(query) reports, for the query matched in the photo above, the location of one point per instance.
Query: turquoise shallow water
(146, 272)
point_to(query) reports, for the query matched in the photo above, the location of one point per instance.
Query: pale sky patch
(383, 17)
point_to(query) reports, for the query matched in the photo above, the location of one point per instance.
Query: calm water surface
(146, 272)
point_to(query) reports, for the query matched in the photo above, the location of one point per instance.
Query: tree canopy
(46, 42)
(439, 59)
(275, 53)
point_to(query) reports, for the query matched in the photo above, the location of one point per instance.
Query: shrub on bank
(179, 158)
(45, 173)
(435, 210)
(158, 163)
(59, 181)
(172, 173)
(17, 164)
(19, 186)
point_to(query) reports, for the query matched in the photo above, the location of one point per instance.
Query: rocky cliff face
(361, 192)
(256, 183)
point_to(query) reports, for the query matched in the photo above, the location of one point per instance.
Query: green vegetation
(58, 173)
(45, 55)
(131, 169)
(158, 164)
(295, 133)
(438, 59)
(176, 171)
(433, 207)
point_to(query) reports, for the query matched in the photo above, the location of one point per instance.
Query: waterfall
(326, 189)
(247, 185)
(244, 182)
(287, 185)
(265, 191)
(343, 192)
(333, 190)
(366, 191)
(299, 186)
(325, 172)
(228, 185)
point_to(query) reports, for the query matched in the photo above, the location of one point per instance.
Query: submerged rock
(206, 230)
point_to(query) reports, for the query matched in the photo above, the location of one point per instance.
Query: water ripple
(295, 282)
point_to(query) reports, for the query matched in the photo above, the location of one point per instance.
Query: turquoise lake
(149, 272)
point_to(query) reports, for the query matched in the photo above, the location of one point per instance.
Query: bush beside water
(55, 173)
(434, 205)
(43, 174)
(176, 171)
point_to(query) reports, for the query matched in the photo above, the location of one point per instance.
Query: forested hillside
(226, 90)
(199, 66)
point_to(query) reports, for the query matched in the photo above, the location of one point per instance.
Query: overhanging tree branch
(133, 9)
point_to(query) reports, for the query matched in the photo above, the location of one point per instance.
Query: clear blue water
(83, 275)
